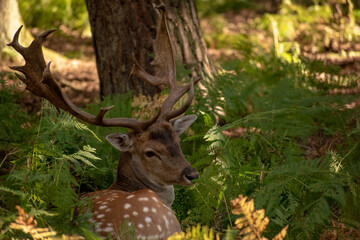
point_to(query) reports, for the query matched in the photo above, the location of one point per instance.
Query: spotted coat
(150, 217)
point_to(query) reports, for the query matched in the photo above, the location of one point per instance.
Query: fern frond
(83, 127)
(68, 121)
(64, 120)
(195, 233)
(27, 224)
(12, 191)
(86, 156)
(281, 235)
(253, 222)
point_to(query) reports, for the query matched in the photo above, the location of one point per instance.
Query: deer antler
(165, 71)
(39, 81)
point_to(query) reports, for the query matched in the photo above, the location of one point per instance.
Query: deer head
(152, 157)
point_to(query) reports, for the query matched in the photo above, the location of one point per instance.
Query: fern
(14, 192)
(305, 189)
(51, 161)
(48, 181)
(251, 225)
(27, 224)
(85, 156)
(195, 233)
(253, 222)
(279, 105)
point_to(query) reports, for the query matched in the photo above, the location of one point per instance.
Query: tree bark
(10, 21)
(186, 35)
(122, 27)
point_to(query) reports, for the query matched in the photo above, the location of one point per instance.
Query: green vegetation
(48, 160)
(278, 109)
(49, 14)
(286, 136)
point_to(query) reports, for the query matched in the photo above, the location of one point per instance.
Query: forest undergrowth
(274, 125)
(266, 153)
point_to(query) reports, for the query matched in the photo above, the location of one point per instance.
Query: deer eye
(149, 154)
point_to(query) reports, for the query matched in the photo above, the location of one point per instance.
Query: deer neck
(130, 178)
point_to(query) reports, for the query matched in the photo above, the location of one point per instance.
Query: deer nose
(190, 173)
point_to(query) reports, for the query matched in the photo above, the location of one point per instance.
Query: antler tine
(165, 70)
(181, 110)
(40, 81)
(33, 62)
(15, 42)
(163, 62)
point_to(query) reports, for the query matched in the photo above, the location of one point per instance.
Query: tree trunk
(10, 21)
(186, 34)
(122, 27)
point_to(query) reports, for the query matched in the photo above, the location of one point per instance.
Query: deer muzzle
(189, 174)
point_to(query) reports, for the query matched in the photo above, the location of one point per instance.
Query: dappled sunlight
(277, 122)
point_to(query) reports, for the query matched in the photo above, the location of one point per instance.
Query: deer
(151, 162)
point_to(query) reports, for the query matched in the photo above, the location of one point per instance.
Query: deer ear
(121, 141)
(181, 124)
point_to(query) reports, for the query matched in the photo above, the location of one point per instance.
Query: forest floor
(75, 66)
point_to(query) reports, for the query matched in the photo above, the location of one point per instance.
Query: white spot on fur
(126, 216)
(127, 206)
(166, 222)
(108, 210)
(141, 225)
(148, 220)
(160, 228)
(153, 210)
(143, 199)
(98, 227)
(110, 224)
(146, 209)
(102, 207)
(130, 196)
(100, 216)
(135, 213)
(110, 199)
(155, 199)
